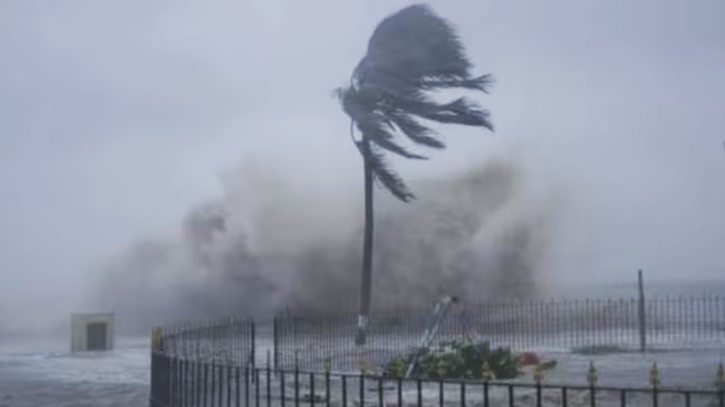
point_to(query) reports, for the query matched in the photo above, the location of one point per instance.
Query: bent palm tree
(410, 53)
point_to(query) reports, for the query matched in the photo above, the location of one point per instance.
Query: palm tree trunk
(367, 257)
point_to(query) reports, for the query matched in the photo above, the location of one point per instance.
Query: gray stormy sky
(118, 116)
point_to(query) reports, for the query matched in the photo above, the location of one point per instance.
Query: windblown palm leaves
(411, 53)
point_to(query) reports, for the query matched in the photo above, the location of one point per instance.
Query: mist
(274, 243)
(132, 129)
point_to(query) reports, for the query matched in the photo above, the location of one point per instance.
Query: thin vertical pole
(174, 379)
(381, 399)
(194, 384)
(344, 391)
(485, 394)
(256, 387)
(238, 381)
(282, 392)
(190, 382)
(253, 344)
(400, 392)
(198, 374)
(312, 390)
(441, 394)
(269, 383)
(275, 343)
(717, 312)
(463, 394)
(206, 384)
(246, 386)
(184, 383)
(642, 316)
(213, 383)
(420, 393)
(229, 386)
(367, 261)
(297, 386)
(221, 385)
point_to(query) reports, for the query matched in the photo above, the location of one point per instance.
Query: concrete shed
(91, 332)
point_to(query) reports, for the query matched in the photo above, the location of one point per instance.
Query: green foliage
(397, 366)
(458, 359)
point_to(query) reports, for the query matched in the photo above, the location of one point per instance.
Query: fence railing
(565, 324)
(183, 382)
(227, 340)
(187, 358)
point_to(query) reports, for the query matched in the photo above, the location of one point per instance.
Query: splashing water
(270, 243)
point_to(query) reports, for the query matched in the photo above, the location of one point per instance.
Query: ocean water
(629, 289)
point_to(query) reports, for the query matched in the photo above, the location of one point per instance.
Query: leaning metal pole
(431, 330)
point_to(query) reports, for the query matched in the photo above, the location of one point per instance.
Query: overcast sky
(118, 116)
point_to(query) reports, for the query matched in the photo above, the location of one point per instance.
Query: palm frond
(387, 176)
(412, 129)
(481, 83)
(356, 102)
(417, 42)
(416, 102)
(460, 111)
(410, 54)
(376, 132)
(371, 123)
(395, 81)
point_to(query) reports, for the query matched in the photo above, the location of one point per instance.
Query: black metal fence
(227, 340)
(565, 324)
(201, 361)
(188, 383)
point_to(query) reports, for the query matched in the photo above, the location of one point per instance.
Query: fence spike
(327, 364)
(154, 334)
(363, 366)
(156, 338)
(486, 373)
(654, 376)
(720, 376)
(538, 373)
(592, 374)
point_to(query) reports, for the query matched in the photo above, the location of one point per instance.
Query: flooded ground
(36, 373)
(43, 373)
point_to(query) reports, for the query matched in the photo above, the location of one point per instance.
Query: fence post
(642, 313)
(254, 344)
(592, 379)
(654, 380)
(720, 382)
(275, 341)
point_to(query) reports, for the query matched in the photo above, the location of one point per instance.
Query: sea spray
(273, 243)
